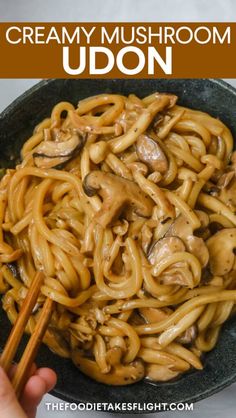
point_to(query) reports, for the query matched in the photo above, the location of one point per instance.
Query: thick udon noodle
(127, 206)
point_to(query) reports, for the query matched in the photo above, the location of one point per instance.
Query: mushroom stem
(155, 192)
(212, 163)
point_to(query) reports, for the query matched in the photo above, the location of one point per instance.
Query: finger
(14, 367)
(39, 384)
(10, 408)
(49, 376)
(32, 395)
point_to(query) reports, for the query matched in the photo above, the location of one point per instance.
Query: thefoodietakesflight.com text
(61, 406)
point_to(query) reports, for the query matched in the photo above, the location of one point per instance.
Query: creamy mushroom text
(128, 207)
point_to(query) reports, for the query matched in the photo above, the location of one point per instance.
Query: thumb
(9, 406)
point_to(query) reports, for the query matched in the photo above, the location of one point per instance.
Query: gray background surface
(222, 404)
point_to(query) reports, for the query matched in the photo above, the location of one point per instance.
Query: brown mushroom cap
(182, 228)
(221, 249)
(53, 153)
(118, 194)
(151, 153)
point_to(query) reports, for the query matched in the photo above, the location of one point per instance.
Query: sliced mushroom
(178, 273)
(151, 153)
(164, 247)
(53, 153)
(182, 228)
(117, 194)
(197, 247)
(189, 336)
(221, 249)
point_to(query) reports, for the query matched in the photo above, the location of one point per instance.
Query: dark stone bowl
(16, 124)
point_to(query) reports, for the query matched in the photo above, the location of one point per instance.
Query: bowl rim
(44, 82)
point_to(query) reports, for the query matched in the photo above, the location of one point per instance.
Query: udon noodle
(127, 206)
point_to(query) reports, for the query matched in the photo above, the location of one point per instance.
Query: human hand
(40, 382)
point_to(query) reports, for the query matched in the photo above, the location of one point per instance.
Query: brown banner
(117, 50)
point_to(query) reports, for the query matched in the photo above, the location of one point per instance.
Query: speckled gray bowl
(16, 124)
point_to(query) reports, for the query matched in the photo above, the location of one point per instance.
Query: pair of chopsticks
(24, 366)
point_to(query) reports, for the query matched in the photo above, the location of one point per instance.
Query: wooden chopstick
(27, 359)
(20, 324)
(30, 352)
